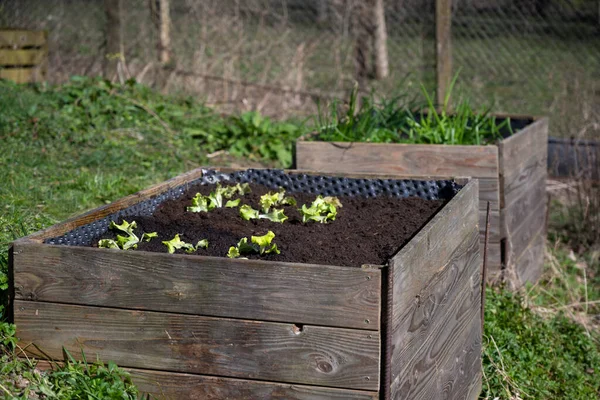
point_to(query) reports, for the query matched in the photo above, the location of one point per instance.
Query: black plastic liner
(272, 178)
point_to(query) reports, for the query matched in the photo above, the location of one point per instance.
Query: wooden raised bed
(200, 327)
(512, 177)
(23, 55)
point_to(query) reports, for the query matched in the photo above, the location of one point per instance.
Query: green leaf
(264, 243)
(149, 236)
(125, 226)
(233, 203)
(199, 204)
(274, 216)
(202, 244)
(247, 213)
(321, 210)
(108, 244)
(275, 199)
(176, 243)
(233, 252)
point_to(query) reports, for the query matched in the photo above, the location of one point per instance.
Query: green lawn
(71, 148)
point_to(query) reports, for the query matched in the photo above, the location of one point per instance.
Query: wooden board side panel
(18, 38)
(267, 351)
(21, 57)
(422, 257)
(163, 385)
(210, 286)
(402, 159)
(437, 341)
(530, 264)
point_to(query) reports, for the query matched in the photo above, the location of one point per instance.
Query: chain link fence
(278, 56)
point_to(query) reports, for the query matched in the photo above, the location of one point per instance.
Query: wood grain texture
(210, 286)
(496, 227)
(21, 75)
(162, 385)
(268, 351)
(437, 341)
(528, 267)
(403, 159)
(525, 147)
(419, 260)
(21, 57)
(494, 261)
(489, 190)
(19, 38)
(521, 207)
(436, 312)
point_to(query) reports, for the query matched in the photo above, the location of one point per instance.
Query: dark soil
(366, 230)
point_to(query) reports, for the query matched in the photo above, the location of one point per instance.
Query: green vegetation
(322, 210)
(176, 244)
(216, 198)
(126, 242)
(70, 148)
(258, 245)
(396, 121)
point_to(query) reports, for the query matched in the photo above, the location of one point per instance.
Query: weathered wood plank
(19, 38)
(21, 57)
(496, 231)
(489, 190)
(268, 351)
(520, 237)
(162, 385)
(210, 286)
(494, 261)
(516, 187)
(417, 262)
(437, 340)
(530, 264)
(21, 75)
(403, 159)
(520, 207)
(523, 148)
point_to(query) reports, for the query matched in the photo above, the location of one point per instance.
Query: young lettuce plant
(125, 242)
(259, 244)
(321, 210)
(266, 202)
(216, 199)
(176, 243)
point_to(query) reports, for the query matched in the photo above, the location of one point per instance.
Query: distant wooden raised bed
(512, 177)
(188, 326)
(23, 55)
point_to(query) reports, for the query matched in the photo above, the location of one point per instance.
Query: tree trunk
(114, 41)
(443, 54)
(380, 58)
(321, 11)
(362, 24)
(161, 20)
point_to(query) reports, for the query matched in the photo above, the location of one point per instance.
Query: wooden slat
(520, 238)
(496, 231)
(211, 286)
(22, 38)
(516, 187)
(21, 57)
(521, 207)
(437, 341)
(163, 385)
(530, 264)
(494, 261)
(489, 190)
(518, 151)
(409, 159)
(418, 261)
(268, 351)
(436, 308)
(21, 75)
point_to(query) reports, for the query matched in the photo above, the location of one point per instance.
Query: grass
(77, 146)
(396, 121)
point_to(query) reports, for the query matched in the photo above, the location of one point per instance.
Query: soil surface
(366, 230)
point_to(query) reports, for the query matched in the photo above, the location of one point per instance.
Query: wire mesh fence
(277, 56)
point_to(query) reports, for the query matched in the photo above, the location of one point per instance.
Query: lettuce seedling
(216, 199)
(176, 243)
(247, 213)
(321, 210)
(125, 242)
(260, 244)
(275, 199)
